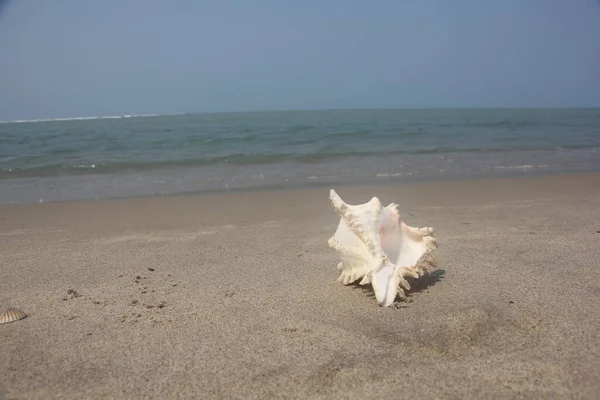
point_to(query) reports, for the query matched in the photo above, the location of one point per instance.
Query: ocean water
(86, 159)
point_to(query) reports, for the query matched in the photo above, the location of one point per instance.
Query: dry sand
(235, 296)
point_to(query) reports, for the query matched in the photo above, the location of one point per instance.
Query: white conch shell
(376, 246)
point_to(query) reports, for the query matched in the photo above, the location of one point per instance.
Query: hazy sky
(104, 57)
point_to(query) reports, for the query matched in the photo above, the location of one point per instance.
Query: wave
(244, 160)
(20, 121)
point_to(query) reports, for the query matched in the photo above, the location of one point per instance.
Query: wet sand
(235, 296)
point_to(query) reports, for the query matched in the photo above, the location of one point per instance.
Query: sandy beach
(234, 295)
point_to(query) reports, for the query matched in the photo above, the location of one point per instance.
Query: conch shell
(376, 246)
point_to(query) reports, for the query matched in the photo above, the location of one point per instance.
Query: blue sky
(66, 58)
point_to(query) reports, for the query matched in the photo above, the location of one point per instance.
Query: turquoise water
(171, 154)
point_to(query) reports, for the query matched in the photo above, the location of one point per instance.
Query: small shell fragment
(11, 315)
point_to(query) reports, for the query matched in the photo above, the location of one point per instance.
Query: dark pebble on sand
(150, 269)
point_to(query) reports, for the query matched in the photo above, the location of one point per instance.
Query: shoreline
(307, 184)
(234, 295)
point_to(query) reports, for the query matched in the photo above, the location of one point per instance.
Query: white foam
(521, 166)
(18, 121)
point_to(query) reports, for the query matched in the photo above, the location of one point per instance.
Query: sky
(72, 58)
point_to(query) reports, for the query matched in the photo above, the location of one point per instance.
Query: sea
(164, 155)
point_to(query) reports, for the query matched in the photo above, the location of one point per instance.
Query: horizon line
(148, 115)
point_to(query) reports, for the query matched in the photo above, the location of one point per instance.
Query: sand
(235, 296)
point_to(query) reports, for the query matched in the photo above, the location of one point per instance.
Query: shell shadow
(416, 285)
(426, 281)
